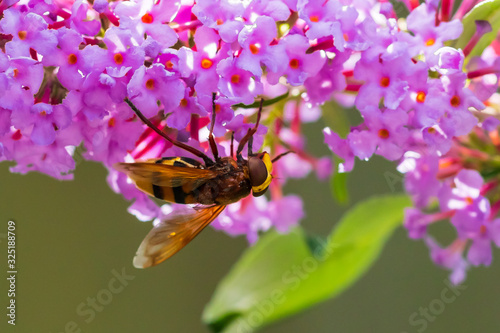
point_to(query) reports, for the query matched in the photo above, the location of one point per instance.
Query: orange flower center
(383, 133)
(430, 42)
(455, 101)
(469, 200)
(294, 63)
(147, 18)
(43, 113)
(314, 18)
(206, 63)
(217, 108)
(184, 103)
(111, 122)
(254, 48)
(169, 64)
(431, 130)
(385, 81)
(72, 59)
(421, 97)
(150, 84)
(235, 79)
(118, 58)
(22, 34)
(15, 72)
(219, 21)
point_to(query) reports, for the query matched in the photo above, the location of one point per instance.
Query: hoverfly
(211, 186)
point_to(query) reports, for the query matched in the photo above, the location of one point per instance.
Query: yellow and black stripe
(179, 194)
(179, 162)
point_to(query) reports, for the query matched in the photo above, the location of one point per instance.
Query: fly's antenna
(211, 140)
(208, 161)
(232, 144)
(251, 131)
(281, 155)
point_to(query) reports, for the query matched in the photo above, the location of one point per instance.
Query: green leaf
(284, 274)
(486, 10)
(265, 103)
(335, 117)
(400, 8)
(338, 185)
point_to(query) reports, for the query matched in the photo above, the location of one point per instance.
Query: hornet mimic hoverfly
(211, 186)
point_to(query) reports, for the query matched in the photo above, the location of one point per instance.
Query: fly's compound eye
(258, 171)
(260, 168)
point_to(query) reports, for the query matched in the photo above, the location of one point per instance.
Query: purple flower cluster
(402, 106)
(418, 106)
(461, 187)
(67, 66)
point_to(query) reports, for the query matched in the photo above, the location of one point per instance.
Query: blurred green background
(73, 237)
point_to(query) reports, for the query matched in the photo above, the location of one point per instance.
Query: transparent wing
(172, 234)
(165, 175)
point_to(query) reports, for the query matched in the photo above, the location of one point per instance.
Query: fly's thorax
(231, 185)
(260, 167)
(225, 165)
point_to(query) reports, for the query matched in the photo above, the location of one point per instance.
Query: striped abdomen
(180, 194)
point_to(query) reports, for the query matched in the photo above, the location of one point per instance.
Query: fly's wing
(165, 175)
(172, 234)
